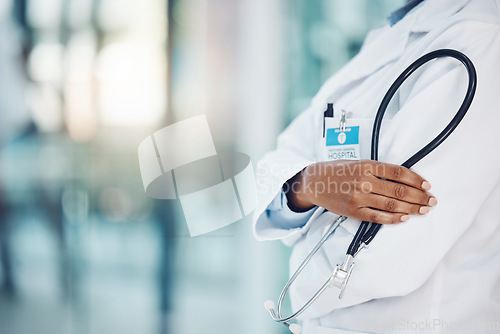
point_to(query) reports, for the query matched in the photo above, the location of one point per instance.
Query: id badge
(346, 137)
(342, 144)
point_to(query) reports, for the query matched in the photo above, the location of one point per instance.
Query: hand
(366, 190)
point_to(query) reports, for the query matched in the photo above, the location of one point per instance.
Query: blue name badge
(342, 145)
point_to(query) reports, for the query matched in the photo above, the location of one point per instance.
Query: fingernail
(426, 185)
(424, 210)
(405, 218)
(433, 202)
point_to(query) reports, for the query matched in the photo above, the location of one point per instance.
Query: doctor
(432, 268)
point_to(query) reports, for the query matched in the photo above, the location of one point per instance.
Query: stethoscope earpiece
(269, 305)
(294, 328)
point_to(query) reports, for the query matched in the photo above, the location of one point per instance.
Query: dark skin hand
(366, 190)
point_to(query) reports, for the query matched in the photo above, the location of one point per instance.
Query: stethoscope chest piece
(341, 275)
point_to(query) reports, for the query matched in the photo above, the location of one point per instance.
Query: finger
(400, 174)
(393, 205)
(403, 192)
(381, 217)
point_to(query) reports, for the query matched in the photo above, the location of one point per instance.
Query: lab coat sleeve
(463, 171)
(273, 220)
(283, 217)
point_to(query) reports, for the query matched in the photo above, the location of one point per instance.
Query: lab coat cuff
(279, 222)
(284, 217)
(273, 219)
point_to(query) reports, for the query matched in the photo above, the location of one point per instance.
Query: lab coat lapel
(388, 46)
(434, 12)
(383, 50)
(397, 140)
(391, 44)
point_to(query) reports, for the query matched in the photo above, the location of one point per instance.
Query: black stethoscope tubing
(367, 230)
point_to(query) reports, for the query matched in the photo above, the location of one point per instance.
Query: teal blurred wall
(82, 249)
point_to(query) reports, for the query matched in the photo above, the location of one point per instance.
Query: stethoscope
(367, 230)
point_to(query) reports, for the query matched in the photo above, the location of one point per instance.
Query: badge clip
(342, 121)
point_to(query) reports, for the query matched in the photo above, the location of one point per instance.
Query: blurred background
(82, 82)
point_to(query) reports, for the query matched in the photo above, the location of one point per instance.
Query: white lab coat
(438, 273)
